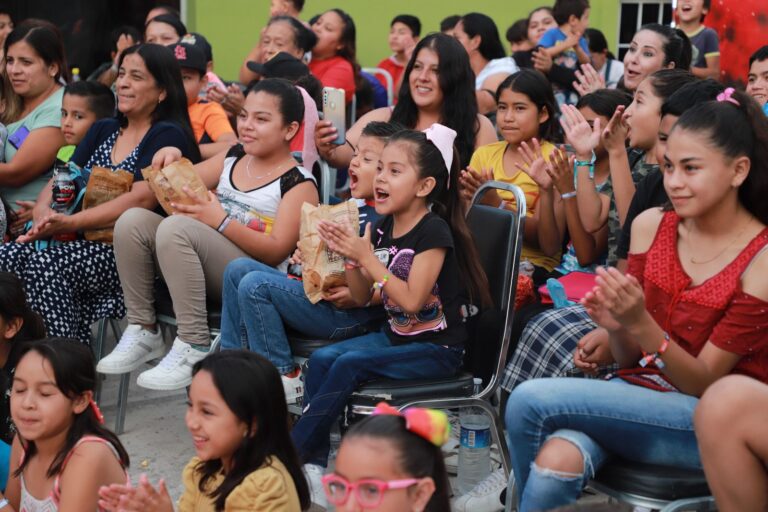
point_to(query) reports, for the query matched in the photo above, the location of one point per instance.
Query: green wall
(232, 26)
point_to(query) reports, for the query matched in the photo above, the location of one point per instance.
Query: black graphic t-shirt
(439, 320)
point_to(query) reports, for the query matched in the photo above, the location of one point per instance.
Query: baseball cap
(201, 42)
(282, 65)
(190, 56)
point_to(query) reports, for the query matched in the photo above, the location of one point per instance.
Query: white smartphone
(334, 111)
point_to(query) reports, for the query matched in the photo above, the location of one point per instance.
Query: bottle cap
(477, 381)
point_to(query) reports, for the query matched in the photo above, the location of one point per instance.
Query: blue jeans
(601, 418)
(337, 370)
(259, 301)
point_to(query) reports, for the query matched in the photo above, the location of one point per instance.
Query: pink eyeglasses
(368, 492)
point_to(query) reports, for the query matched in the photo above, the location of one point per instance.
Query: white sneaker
(175, 370)
(485, 496)
(293, 387)
(314, 474)
(137, 345)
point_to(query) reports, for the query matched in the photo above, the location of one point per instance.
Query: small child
(517, 36)
(706, 45)
(404, 32)
(566, 43)
(83, 104)
(62, 453)
(392, 461)
(212, 79)
(757, 79)
(290, 8)
(263, 300)
(238, 421)
(209, 121)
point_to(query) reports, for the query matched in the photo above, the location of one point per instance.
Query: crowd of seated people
(640, 329)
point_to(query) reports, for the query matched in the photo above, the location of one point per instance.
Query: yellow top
(268, 489)
(491, 156)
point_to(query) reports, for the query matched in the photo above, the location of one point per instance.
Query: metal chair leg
(122, 402)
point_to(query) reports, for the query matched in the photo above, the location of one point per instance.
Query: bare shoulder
(754, 281)
(644, 228)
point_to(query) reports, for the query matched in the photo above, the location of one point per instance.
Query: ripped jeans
(601, 418)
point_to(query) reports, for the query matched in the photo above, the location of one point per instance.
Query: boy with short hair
(517, 36)
(404, 32)
(566, 43)
(757, 79)
(209, 121)
(83, 104)
(706, 45)
(448, 24)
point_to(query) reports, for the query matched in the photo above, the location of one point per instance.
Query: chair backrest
(498, 235)
(387, 79)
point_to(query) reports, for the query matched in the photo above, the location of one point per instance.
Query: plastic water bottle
(75, 74)
(63, 196)
(474, 445)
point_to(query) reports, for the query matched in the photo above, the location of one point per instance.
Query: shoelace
(127, 341)
(493, 482)
(172, 358)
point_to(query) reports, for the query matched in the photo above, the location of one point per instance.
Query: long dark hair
(13, 304)
(75, 372)
(418, 457)
(45, 39)
(164, 68)
(253, 390)
(457, 82)
(604, 102)
(445, 202)
(677, 47)
(535, 85)
(736, 131)
(478, 24)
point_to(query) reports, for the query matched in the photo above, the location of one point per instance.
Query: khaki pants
(189, 255)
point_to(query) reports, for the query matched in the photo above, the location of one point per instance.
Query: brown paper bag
(321, 268)
(168, 183)
(104, 185)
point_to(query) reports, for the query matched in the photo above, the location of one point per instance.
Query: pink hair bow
(442, 137)
(727, 95)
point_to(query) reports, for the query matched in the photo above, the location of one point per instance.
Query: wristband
(655, 358)
(224, 224)
(380, 284)
(568, 195)
(586, 163)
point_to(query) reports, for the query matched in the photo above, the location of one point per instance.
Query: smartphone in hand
(334, 111)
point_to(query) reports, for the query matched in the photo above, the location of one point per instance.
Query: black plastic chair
(656, 487)
(498, 237)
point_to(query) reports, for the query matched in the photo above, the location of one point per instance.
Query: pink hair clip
(96, 411)
(727, 95)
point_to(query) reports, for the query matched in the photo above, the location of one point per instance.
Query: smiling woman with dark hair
(437, 87)
(75, 283)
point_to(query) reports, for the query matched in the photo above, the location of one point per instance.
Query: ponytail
(677, 47)
(737, 127)
(446, 203)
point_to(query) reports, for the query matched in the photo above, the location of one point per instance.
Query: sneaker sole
(119, 370)
(163, 387)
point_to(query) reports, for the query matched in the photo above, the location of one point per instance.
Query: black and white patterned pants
(71, 285)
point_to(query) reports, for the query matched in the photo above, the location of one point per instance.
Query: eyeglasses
(368, 492)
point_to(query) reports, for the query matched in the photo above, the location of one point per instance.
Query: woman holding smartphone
(438, 87)
(34, 65)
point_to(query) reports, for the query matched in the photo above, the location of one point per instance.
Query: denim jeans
(335, 371)
(601, 418)
(259, 301)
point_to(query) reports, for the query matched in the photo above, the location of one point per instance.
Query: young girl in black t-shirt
(410, 261)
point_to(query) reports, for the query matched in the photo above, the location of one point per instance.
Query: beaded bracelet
(655, 357)
(586, 163)
(379, 285)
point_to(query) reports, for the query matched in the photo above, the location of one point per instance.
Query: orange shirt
(209, 118)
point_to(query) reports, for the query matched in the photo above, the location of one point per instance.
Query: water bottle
(474, 445)
(63, 195)
(75, 74)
